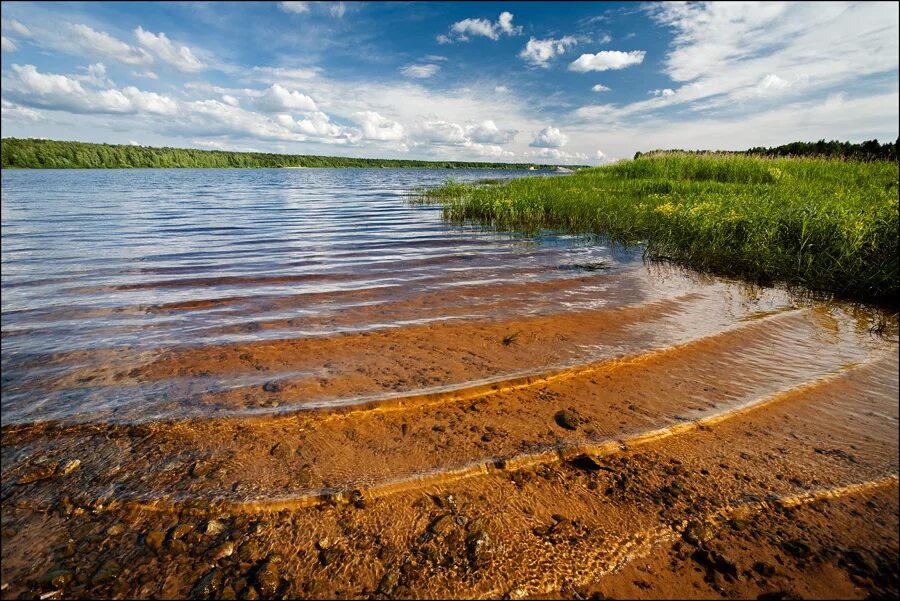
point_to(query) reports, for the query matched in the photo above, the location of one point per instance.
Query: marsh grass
(826, 225)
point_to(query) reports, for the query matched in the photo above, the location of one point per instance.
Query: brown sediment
(662, 444)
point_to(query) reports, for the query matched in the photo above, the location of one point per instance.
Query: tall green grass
(822, 224)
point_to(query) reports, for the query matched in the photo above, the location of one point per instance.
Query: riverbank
(55, 154)
(824, 225)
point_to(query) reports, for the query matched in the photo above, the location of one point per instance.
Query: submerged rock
(698, 532)
(568, 419)
(108, 572)
(388, 583)
(478, 548)
(441, 524)
(268, 576)
(41, 472)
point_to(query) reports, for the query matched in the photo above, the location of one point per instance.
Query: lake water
(225, 367)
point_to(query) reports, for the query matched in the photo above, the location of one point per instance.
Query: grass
(826, 225)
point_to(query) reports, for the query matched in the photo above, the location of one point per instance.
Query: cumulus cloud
(376, 127)
(550, 137)
(100, 43)
(180, 57)
(230, 100)
(17, 28)
(278, 99)
(19, 114)
(607, 60)
(540, 52)
(487, 132)
(461, 31)
(64, 93)
(7, 44)
(600, 88)
(421, 71)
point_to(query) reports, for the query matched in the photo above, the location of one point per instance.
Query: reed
(826, 225)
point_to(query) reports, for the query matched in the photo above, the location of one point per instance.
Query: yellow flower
(666, 209)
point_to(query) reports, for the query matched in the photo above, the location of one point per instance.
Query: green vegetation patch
(53, 154)
(823, 224)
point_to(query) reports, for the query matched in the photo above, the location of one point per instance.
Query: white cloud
(180, 57)
(501, 89)
(7, 44)
(284, 74)
(557, 155)
(96, 75)
(294, 7)
(604, 39)
(550, 137)
(278, 99)
(600, 88)
(540, 52)
(150, 102)
(17, 28)
(462, 30)
(100, 43)
(19, 114)
(420, 71)
(665, 93)
(147, 74)
(504, 24)
(230, 100)
(730, 52)
(376, 127)
(487, 132)
(607, 60)
(337, 9)
(64, 93)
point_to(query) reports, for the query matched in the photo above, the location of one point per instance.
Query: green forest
(869, 150)
(53, 154)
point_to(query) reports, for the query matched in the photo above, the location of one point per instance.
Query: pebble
(478, 548)
(115, 530)
(39, 473)
(568, 419)
(441, 524)
(108, 572)
(213, 527)
(267, 578)
(222, 551)
(697, 532)
(58, 577)
(70, 466)
(155, 539)
(388, 583)
(207, 586)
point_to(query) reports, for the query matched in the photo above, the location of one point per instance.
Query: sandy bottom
(676, 440)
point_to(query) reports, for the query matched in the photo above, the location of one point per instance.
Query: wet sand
(476, 419)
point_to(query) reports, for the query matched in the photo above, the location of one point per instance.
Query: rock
(764, 569)
(41, 472)
(273, 386)
(199, 469)
(797, 548)
(305, 475)
(57, 578)
(115, 530)
(357, 499)
(329, 556)
(441, 524)
(281, 451)
(208, 585)
(222, 551)
(155, 539)
(69, 466)
(586, 463)
(268, 577)
(388, 583)
(568, 419)
(698, 532)
(177, 547)
(478, 548)
(249, 593)
(227, 594)
(213, 528)
(179, 530)
(108, 572)
(487, 437)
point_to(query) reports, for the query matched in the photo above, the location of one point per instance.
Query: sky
(547, 82)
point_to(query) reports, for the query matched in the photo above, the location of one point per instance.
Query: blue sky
(502, 81)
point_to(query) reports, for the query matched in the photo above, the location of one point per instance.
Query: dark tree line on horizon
(869, 150)
(54, 154)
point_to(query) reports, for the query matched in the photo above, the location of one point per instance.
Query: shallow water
(238, 343)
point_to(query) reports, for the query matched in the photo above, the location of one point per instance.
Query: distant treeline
(53, 154)
(870, 150)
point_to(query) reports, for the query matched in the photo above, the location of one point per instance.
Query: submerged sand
(628, 434)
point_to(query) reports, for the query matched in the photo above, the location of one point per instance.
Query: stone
(41, 472)
(267, 578)
(155, 539)
(568, 419)
(441, 524)
(108, 572)
(58, 577)
(797, 548)
(272, 386)
(329, 556)
(69, 466)
(478, 548)
(213, 528)
(222, 551)
(208, 585)
(388, 583)
(115, 530)
(697, 532)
